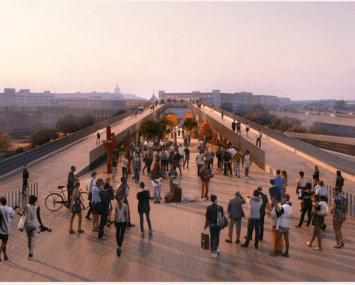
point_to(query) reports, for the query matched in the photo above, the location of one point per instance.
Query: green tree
(151, 129)
(67, 124)
(42, 136)
(190, 124)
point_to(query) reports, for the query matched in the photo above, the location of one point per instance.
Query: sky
(299, 50)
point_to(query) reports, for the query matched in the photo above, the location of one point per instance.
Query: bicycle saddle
(61, 187)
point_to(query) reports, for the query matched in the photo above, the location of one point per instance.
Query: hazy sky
(297, 50)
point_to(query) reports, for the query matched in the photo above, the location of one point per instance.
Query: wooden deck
(173, 253)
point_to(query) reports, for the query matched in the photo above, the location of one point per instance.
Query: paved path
(173, 253)
(54, 171)
(280, 158)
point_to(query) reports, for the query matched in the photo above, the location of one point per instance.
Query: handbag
(100, 208)
(222, 222)
(21, 224)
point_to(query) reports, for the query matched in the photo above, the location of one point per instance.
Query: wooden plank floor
(173, 253)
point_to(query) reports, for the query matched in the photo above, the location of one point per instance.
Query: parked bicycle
(55, 201)
(218, 169)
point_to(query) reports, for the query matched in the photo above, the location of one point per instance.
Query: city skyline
(296, 50)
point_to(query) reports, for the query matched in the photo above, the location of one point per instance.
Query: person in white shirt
(258, 138)
(247, 128)
(182, 152)
(6, 214)
(151, 144)
(232, 150)
(321, 191)
(89, 185)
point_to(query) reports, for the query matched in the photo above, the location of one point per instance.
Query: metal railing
(19, 197)
(331, 194)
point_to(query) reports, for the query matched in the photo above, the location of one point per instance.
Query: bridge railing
(312, 151)
(331, 194)
(19, 196)
(16, 162)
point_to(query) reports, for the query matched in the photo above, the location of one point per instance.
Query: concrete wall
(257, 155)
(331, 139)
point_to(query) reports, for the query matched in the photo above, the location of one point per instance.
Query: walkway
(54, 171)
(174, 253)
(280, 158)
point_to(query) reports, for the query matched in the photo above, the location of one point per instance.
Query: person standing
(233, 126)
(33, 216)
(205, 178)
(189, 139)
(283, 225)
(258, 138)
(301, 186)
(207, 158)
(211, 217)
(246, 162)
(280, 182)
(114, 166)
(227, 157)
(25, 176)
(238, 127)
(339, 210)
(156, 178)
(236, 159)
(199, 161)
(123, 189)
(145, 160)
(182, 152)
(96, 199)
(6, 214)
(105, 199)
(236, 213)
(317, 222)
(136, 166)
(315, 175)
(219, 157)
(144, 208)
(222, 115)
(275, 206)
(98, 136)
(247, 129)
(150, 159)
(75, 207)
(89, 185)
(124, 161)
(265, 200)
(110, 190)
(274, 190)
(187, 157)
(255, 204)
(339, 181)
(177, 158)
(70, 185)
(121, 219)
(307, 204)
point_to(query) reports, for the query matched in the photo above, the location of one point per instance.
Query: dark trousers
(70, 192)
(24, 185)
(199, 166)
(227, 167)
(238, 130)
(233, 129)
(177, 165)
(261, 228)
(150, 161)
(120, 230)
(253, 223)
(146, 166)
(148, 221)
(90, 208)
(103, 221)
(258, 140)
(129, 213)
(306, 208)
(214, 232)
(124, 172)
(186, 161)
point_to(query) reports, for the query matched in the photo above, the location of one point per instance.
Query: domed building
(117, 89)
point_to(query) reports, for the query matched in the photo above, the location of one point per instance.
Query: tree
(151, 129)
(67, 124)
(119, 112)
(5, 141)
(206, 130)
(220, 137)
(85, 121)
(340, 105)
(190, 124)
(37, 123)
(42, 136)
(174, 120)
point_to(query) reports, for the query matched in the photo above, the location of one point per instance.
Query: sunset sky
(298, 50)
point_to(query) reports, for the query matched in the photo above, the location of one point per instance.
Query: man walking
(233, 126)
(150, 159)
(70, 185)
(265, 200)
(123, 190)
(238, 127)
(236, 159)
(255, 204)
(258, 138)
(227, 160)
(199, 161)
(187, 157)
(222, 115)
(339, 210)
(236, 213)
(205, 178)
(25, 177)
(280, 182)
(114, 165)
(89, 185)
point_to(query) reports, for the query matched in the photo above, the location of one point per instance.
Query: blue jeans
(114, 170)
(157, 193)
(148, 220)
(214, 232)
(237, 168)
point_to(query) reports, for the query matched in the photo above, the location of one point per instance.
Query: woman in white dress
(246, 163)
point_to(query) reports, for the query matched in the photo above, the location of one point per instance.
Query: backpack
(222, 222)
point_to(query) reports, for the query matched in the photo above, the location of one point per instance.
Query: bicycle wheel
(54, 202)
(84, 200)
(217, 170)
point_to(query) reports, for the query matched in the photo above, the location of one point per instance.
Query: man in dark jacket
(177, 158)
(25, 177)
(205, 178)
(233, 126)
(143, 207)
(236, 213)
(211, 217)
(256, 193)
(105, 196)
(70, 184)
(227, 157)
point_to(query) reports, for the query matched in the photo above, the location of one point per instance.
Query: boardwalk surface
(173, 253)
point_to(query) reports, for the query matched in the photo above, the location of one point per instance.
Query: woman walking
(156, 178)
(143, 207)
(246, 162)
(33, 217)
(283, 225)
(307, 204)
(75, 208)
(274, 218)
(121, 219)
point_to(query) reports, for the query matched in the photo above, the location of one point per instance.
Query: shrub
(119, 112)
(5, 141)
(85, 121)
(42, 136)
(67, 124)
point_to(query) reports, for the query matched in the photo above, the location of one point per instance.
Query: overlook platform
(173, 252)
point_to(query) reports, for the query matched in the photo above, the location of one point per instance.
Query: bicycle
(55, 201)
(217, 170)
